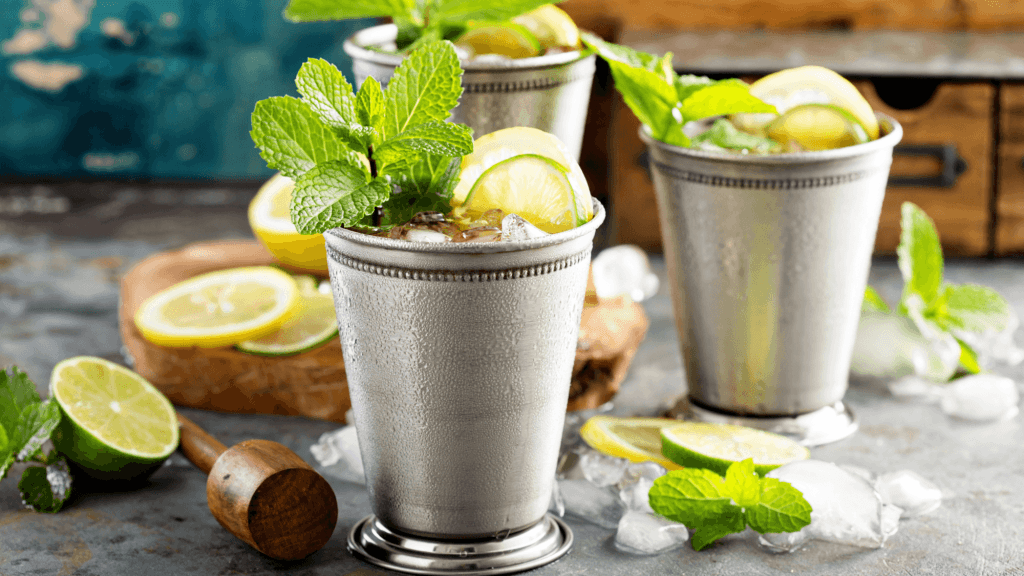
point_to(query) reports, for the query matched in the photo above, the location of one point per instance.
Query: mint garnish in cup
(664, 102)
(373, 158)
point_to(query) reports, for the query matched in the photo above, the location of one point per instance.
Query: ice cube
(861, 471)
(635, 495)
(917, 388)
(515, 228)
(595, 504)
(601, 469)
(338, 453)
(909, 491)
(981, 397)
(641, 471)
(891, 345)
(647, 534)
(624, 269)
(995, 346)
(845, 507)
(420, 235)
(478, 234)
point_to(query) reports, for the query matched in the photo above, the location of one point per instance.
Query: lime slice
(551, 26)
(815, 84)
(505, 39)
(117, 426)
(272, 225)
(817, 127)
(219, 309)
(636, 439)
(532, 186)
(716, 446)
(313, 324)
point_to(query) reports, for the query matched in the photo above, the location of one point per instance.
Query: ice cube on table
(891, 345)
(636, 495)
(981, 397)
(908, 490)
(647, 534)
(338, 452)
(515, 228)
(845, 508)
(917, 388)
(624, 269)
(995, 346)
(595, 504)
(601, 469)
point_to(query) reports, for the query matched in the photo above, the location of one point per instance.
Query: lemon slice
(116, 425)
(272, 225)
(817, 127)
(532, 186)
(507, 143)
(815, 84)
(636, 439)
(313, 324)
(716, 446)
(219, 309)
(551, 26)
(505, 39)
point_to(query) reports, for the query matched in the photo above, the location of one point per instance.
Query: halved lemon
(505, 39)
(717, 446)
(818, 85)
(272, 225)
(116, 425)
(219, 308)
(551, 26)
(636, 439)
(817, 127)
(312, 325)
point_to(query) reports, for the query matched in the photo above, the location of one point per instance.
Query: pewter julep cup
(768, 258)
(550, 93)
(459, 358)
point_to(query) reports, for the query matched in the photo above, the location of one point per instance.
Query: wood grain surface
(1010, 192)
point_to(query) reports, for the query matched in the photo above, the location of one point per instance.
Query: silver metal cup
(550, 93)
(768, 258)
(459, 359)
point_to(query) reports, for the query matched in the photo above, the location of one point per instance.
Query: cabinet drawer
(1010, 195)
(943, 165)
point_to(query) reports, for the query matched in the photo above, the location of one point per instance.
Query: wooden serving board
(313, 383)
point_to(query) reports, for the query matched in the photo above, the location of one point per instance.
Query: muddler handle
(198, 446)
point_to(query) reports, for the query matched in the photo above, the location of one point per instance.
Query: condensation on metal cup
(549, 92)
(459, 358)
(768, 258)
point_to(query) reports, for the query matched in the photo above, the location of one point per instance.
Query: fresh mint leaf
(291, 137)
(691, 496)
(16, 392)
(973, 308)
(968, 357)
(780, 508)
(317, 10)
(731, 522)
(722, 98)
(38, 421)
(425, 87)
(433, 138)
(339, 191)
(742, 483)
(484, 10)
(46, 488)
(687, 84)
(722, 133)
(327, 92)
(424, 187)
(919, 255)
(873, 301)
(370, 104)
(611, 52)
(652, 100)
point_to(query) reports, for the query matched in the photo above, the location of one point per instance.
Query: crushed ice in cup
(478, 234)
(515, 228)
(909, 491)
(845, 508)
(891, 345)
(595, 504)
(981, 397)
(338, 452)
(646, 534)
(624, 269)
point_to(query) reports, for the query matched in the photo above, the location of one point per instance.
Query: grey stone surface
(58, 297)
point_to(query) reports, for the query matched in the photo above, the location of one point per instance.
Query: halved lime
(312, 325)
(116, 425)
(717, 446)
(505, 39)
(636, 439)
(817, 127)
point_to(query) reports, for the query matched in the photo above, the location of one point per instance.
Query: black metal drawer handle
(952, 165)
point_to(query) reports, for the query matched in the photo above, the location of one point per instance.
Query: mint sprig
(417, 20)
(26, 422)
(351, 153)
(663, 101)
(715, 506)
(938, 307)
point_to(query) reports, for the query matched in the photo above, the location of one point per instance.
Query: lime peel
(717, 446)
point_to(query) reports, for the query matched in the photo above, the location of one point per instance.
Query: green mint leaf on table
(973, 308)
(968, 357)
(335, 191)
(17, 394)
(291, 136)
(873, 301)
(716, 507)
(722, 133)
(317, 10)
(919, 255)
(46, 488)
(483, 10)
(425, 87)
(38, 421)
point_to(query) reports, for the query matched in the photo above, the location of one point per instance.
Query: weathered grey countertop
(58, 298)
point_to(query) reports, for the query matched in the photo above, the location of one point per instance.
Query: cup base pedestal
(822, 426)
(544, 542)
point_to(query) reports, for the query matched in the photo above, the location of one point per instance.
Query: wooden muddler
(263, 493)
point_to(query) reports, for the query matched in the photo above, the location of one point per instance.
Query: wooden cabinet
(1009, 237)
